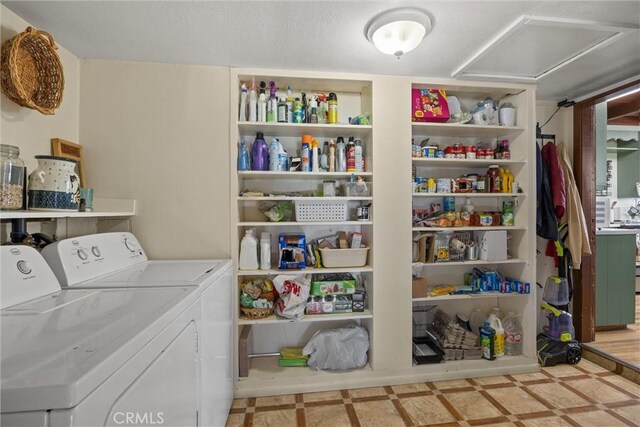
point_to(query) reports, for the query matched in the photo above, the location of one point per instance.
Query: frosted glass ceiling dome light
(398, 31)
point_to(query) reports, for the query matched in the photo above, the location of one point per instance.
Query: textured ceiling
(323, 35)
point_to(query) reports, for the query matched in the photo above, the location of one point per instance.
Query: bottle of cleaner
(305, 116)
(305, 153)
(359, 157)
(324, 157)
(249, 251)
(274, 150)
(315, 157)
(298, 116)
(282, 111)
(289, 105)
(265, 251)
(272, 105)
(512, 335)
(262, 103)
(332, 115)
(341, 159)
(259, 154)
(243, 157)
(496, 325)
(253, 101)
(283, 160)
(487, 341)
(332, 155)
(243, 103)
(312, 109)
(351, 155)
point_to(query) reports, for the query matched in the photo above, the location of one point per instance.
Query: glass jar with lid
(12, 174)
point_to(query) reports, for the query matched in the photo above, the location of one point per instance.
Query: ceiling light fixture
(398, 31)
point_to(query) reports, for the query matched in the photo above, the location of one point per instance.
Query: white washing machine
(117, 260)
(93, 357)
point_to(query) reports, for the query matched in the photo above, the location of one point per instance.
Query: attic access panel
(533, 47)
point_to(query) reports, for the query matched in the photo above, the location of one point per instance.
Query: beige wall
(159, 134)
(28, 129)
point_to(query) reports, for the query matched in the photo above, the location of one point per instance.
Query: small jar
(12, 182)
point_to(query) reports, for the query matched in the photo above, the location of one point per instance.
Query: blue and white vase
(54, 185)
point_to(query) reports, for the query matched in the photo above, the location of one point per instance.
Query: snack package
(429, 105)
(293, 292)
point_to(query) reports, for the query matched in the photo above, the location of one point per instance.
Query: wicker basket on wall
(31, 71)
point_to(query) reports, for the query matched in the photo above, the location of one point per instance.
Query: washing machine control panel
(83, 258)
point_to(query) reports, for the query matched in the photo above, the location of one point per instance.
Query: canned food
(421, 184)
(470, 152)
(449, 204)
(488, 153)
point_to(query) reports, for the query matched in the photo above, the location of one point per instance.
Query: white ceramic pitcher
(54, 185)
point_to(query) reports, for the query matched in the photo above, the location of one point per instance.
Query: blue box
(292, 251)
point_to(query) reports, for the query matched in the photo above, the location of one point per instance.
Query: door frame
(584, 159)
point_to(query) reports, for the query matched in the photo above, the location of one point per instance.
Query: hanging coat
(556, 177)
(578, 239)
(546, 221)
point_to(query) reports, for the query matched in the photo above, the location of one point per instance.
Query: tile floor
(564, 395)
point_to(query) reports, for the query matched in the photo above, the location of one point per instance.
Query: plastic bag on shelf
(293, 292)
(276, 212)
(338, 349)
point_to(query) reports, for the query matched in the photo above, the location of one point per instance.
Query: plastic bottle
(332, 155)
(487, 341)
(496, 324)
(304, 153)
(272, 104)
(324, 157)
(262, 104)
(274, 150)
(333, 108)
(341, 159)
(243, 103)
(512, 335)
(351, 155)
(249, 251)
(305, 116)
(283, 160)
(265, 251)
(282, 111)
(253, 101)
(259, 154)
(297, 111)
(359, 157)
(243, 157)
(312, 110)
(289, 105)
(315, 157)
(468, 206)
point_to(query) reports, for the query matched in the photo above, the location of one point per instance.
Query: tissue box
(492, 245)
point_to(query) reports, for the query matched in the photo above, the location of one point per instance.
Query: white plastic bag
(338, 349)
(293, 292)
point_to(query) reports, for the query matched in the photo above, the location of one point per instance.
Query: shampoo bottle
(265, 251)
(249, 251)
(253, 102)
(259, 154)
(243, 103)
(351, 155)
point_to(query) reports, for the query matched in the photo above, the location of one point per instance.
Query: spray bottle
(272, 106)
(351, 155)
(243, 103)
(359, 157)
(332, 155)
(282, 111)
(341, 159)
(262, 103)
(304, 153)
(253, 101)
(274, 150)
(324, 157)
(312, 110)
(315, 160)
(332, 116)
(289, 105)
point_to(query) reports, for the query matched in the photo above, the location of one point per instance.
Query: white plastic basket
(340, 258)
(320, 210)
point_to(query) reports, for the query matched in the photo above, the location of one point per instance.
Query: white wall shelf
(470, 263)
(299, 175)
(298, 129)
(275, 271)
(307, 199)
(103, 208)
(274, 319)
(300, 224)
(459, 130)
(621, 149)
(464, 195)
(440, 162)
(482, 295)
(479, 228)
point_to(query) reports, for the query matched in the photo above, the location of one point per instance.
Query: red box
(429, 105)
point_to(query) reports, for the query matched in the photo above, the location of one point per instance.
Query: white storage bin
(321, 210)
(337, 258)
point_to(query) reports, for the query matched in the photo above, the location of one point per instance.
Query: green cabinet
(628, 169)
(615, 279)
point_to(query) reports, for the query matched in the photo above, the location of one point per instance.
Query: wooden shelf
(274, 319)
(482, 295)
(459, 130)
(476, 262)
(439, 162)
(298, 129)
(463, 195)
(103, 208)
(275, 271)
(479, 228)
(299, 175)
(306, 199)
(302, 224)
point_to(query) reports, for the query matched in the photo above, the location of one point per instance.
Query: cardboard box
(425, 248)
(332, 287)
(492, 244)
(292, 249)
(419, 287)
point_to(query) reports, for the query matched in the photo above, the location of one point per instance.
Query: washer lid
(58, 348)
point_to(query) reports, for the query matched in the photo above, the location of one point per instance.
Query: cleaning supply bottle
(324, 157)
(304, 153)
(487, 341)
(312, 110)
(262, 103)
(341, 159)
(259, 154)
(351, 155)
(333, 109)
(265, 251)
(332, 155)
(243, 157)
(253, 101)
(315, 157)
(496, 324)
(272, 105)
(359, 157)
(289, 101)
(243, 103)
(248, 251)
(512, 335)
(305, 116)
(274, 150)
(282, 111)
(298, 116)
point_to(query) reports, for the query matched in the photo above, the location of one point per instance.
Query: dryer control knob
(96, 251)
(130, 245)
(82, 254)
(24, 267)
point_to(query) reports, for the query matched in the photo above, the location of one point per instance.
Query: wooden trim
(73, 151)
(583, 161)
